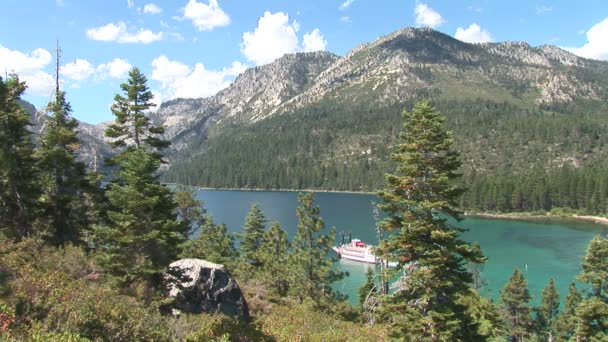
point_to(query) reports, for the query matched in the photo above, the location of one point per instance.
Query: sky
(195, 48)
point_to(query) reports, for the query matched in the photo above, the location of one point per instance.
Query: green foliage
(595, 268)
(369, 287)
(142, 234)
(214, 243)
(18, 176)
(190, 210)
(548, 311)
(566, 323)
(56, 293)
(274, 257)
(252, 236)
(486, 316)
(312, 261)
(429, 252)
(302, 322)
(592, 320)
(515, 299)
(132, 124)
(68, 196)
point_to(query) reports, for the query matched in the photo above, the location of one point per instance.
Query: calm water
(540, 249)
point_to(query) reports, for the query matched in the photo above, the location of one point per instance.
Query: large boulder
(201, 286)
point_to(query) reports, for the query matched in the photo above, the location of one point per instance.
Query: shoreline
(524, 217)
(501, 216)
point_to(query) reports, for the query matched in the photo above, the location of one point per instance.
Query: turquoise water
(552, 248)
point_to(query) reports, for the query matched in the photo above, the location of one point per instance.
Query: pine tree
(369, 288)
(592, 320)
(312, 259)
(143, 234)
(214, 244)
(18, 177)
(274, 256)
(252, 235)
(592, 313)
(68, 195)
(547, 312)
(430, 253)
(190, 210)
(515, 298)
(566, 322)
(595, 268)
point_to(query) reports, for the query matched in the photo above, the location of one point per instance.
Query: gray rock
(200, 286)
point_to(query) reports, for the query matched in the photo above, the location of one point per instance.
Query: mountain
(93, 148)
(316, 120)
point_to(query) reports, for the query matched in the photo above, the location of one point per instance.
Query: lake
(541, 249)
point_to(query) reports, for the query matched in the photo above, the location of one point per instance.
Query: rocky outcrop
(200, 286)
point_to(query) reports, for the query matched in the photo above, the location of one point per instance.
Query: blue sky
(194, 48)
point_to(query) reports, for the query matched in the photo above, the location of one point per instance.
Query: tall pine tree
(18, 177)
(312, 261)
(274, 256)
(592, 313)
(565, 325)
(547, 312)
(515, 298)
(252, 235)
(68, 195)
(143, 234)
(429, 251)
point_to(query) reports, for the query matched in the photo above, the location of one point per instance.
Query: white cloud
(345, 19)
(596, 46)
(314, 41)
(130, 3)
(473, 34)
(60, 3)
(179, 80)
(426, 16)
(275, 36)
(346, 4)
(152, 9)
(29, 67)
(205, 17)
(78, 70)
(118, 32)
(116, 68)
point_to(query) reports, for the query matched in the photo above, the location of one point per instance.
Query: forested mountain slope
(520, 115)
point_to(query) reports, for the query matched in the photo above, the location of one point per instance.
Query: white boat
(356, 250)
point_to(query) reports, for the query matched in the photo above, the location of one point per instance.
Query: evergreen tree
(592, 313)
(214, 244)
(190, 210)
(18, 188)
(566, 322)
(515, 298)
(252, 236)
(312, 259)
(592, 320)
(547, 312)
(595, 268)
(68, 195)
(369, 288)
(143, 234)
(430, 253)
(274, 257)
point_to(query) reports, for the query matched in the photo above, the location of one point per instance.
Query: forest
(83, 256)
(558, 151)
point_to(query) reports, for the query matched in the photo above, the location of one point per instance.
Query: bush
(301, 322)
